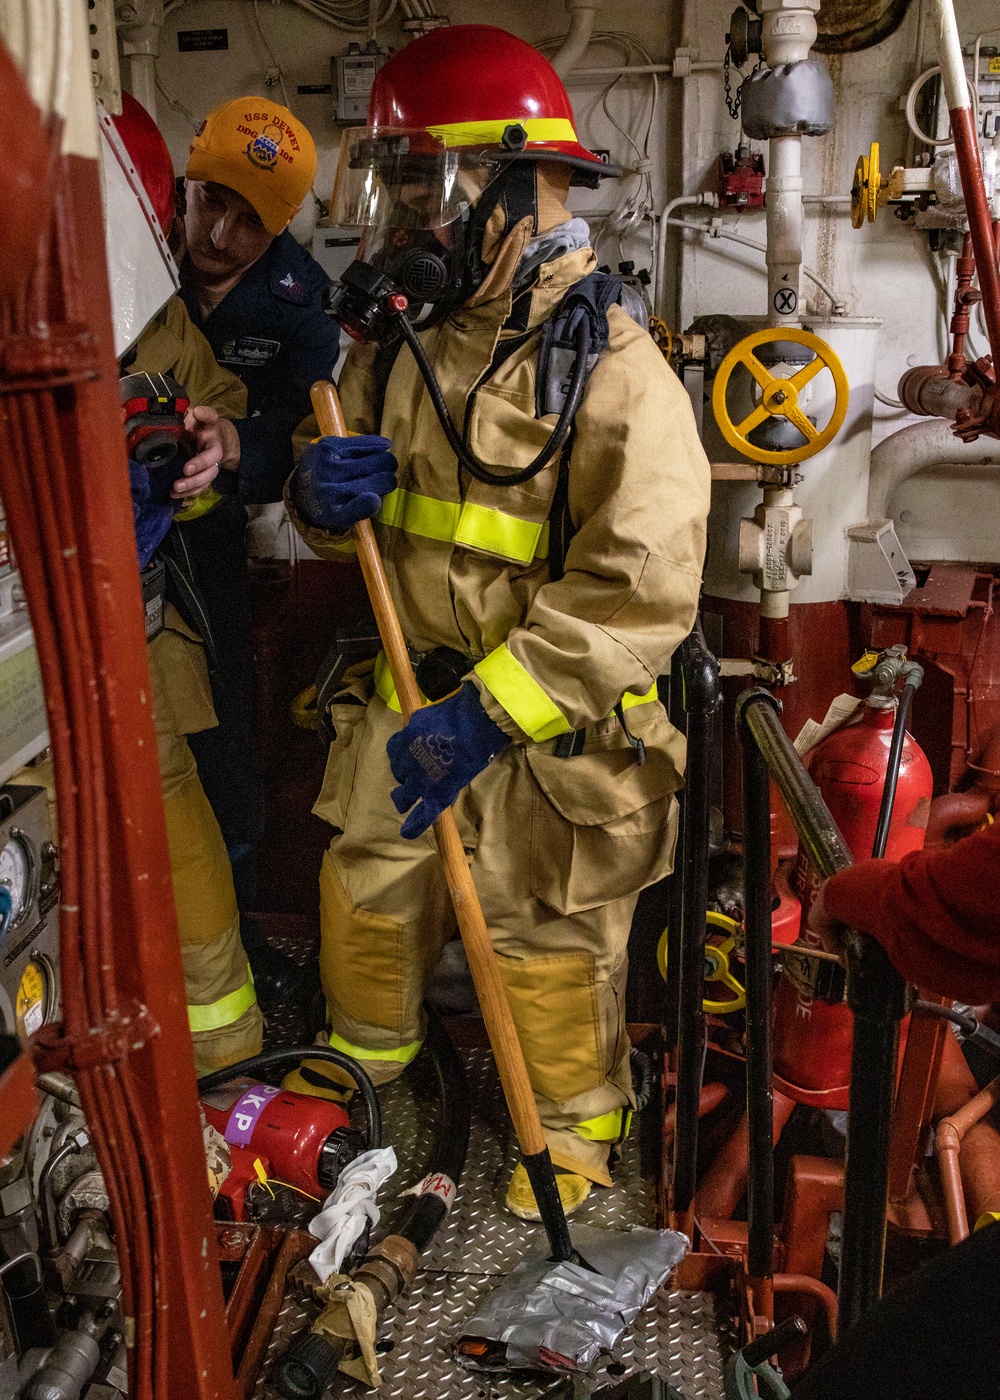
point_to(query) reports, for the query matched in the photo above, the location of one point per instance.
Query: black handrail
(759, 980)
(878, 998)
(701, 699)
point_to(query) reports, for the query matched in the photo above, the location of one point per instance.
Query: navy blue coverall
(271, 331)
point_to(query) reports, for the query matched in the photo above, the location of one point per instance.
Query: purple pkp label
(246, 1110)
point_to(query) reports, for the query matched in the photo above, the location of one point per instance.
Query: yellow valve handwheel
(716, 964)
(866, 190)
(780, 397)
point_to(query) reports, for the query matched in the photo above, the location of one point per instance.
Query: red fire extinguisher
(302, 1142)
(812, 1024)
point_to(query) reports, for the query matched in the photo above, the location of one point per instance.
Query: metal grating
(680, 1337)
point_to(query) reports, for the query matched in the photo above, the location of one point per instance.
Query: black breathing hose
(491, 475)
(292, 1055)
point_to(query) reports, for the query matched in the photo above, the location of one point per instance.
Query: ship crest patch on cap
(262, 151)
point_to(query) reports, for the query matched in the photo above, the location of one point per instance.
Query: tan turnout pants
(225, 1020)
(558, 896)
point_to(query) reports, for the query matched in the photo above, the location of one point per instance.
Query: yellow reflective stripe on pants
(465, 523)
(402, 1055)
(225, 1011)
(606, 1128)
(490, 133)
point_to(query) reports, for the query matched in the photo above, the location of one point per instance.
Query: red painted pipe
(813, 1288)
(724, 1184)
(980, 222)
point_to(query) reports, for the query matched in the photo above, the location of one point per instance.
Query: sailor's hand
(217, 445)
(831, 931)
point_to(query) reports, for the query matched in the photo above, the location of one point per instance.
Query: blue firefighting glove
(439, 753)
(152, 508)
(340, 481)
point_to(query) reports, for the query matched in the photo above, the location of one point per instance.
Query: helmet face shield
(407, 179)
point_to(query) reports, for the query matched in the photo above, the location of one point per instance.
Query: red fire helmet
(473, 85)
(149, 154)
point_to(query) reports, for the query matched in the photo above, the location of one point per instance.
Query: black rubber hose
(866, 35)
(452, 1141)
(491, 475)
(893, 765)
(642, 1078)
(292, 1055)
(971, 1027)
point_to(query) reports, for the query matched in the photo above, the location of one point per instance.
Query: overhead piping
(581, 26)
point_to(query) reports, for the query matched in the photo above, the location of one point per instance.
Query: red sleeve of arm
(936, 913)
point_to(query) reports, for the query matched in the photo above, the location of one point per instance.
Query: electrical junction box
(353, 73)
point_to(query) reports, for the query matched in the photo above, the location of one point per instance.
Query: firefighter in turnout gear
(545, 557)
(225, 1020)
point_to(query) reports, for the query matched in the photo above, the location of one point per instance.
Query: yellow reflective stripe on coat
(225, 1011)
(527, 703)
(606, 1128)
(521, 696)
(400, 1056)
(465, 523)
(630, 698)
(490, 133)
(385, 687)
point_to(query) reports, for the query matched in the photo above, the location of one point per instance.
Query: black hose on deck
(452, 1141)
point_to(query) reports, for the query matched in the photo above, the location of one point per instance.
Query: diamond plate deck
(679, 1338)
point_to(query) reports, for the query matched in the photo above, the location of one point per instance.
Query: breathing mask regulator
(154, 407)
(424, 208)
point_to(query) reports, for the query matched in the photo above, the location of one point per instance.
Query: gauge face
(15, 873)
(32, 999)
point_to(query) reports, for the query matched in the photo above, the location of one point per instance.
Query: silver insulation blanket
(566, 1316)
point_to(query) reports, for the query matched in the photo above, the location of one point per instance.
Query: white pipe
(950, 57)
(715, 230)
(783, 202)
(788, 32)
(915, 449)
(142, 80)
(627, 70)
(581, 27)
(710, 199)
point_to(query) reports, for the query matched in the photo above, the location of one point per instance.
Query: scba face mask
(412, 196)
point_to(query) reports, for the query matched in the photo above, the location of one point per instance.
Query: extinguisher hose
(292, 1056)
(452, 1141)
(914, 676)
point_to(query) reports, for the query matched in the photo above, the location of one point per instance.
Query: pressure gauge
(33, 997)
(16, 866)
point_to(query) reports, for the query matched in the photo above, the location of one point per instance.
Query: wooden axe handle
(468, 911)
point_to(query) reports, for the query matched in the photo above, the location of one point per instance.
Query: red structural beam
(64, 484)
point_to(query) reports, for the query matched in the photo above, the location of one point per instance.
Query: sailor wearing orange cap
(256, 296)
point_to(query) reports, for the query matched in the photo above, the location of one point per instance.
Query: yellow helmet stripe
(490, 133)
